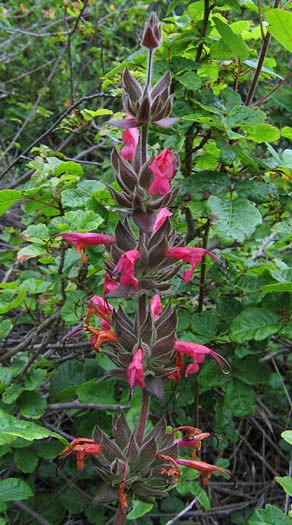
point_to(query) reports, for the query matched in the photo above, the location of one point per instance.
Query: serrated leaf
(12, 426)
(240, 399)
(276, 288)
(281, 26)
(7, 302)
(32, 405)
(244, 116)
(269, 516)
(234, 220)
(234, 42)
(190, 80)
(8, 198)
(262, 133)
(14, 489)
(26, 460)
(30, 251)
(69, 168)
(83, 221)
(254, 323)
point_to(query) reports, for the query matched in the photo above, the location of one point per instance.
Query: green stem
(143, 417)
(207, 10)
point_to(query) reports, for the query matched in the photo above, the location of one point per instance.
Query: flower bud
(152, 33)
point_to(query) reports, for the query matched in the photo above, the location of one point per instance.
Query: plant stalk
(143, 417)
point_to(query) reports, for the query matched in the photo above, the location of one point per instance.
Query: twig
(261, 250)
(184, 511)
(47, 132)
(77, 405)
(31, 512)
(265, 97)
(31, 113)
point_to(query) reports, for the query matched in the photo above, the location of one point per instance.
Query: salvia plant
(143, 256)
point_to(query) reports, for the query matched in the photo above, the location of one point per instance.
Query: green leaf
(234, 42)
(92, 392)
(26, 460)
(7, 302)
(36, 233)
(12, 426)
(281, 26)
(251, 372)
(287, 435)
(139, 508)
(190, 80)
(240, 399)
(6, 326)
(69, 168)
(244, 116)
(30, 251)
(269, 516)
(79, 196)
(262, 133)
(234, 220)
(287, 132)
(254, 323)
(14, 489)
(69, 375)
(87, 114)
(276, 288)
(32, 405)
(83, 221)
(8, 198)
(286, 483)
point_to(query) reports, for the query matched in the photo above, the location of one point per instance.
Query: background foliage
(60, 74)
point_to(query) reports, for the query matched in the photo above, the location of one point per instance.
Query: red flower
(192, 438)
(192, 256)
(197, 353)
(130, 138)
(125, 267)
(179, 363)
(100, 336)
(135, 371)
(109, 284)
(161, 217)
(162, 168)
(81, 447)
(203, 467)
(156, 306)
(99, 306)
(82, 240)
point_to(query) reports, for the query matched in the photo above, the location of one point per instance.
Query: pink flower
(81, 240)
(192, 256)
(109, 284)
(162, 168)
(197, 353)
(161, 217)
(130, 138)
(125, 267)
(156, 306)
(135, 370)
(103, 308)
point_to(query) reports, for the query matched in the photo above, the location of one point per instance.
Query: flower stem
(120, 518)
(143, 417)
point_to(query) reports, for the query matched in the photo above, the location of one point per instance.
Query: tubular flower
(203, 467)
(161, 217)
(130, 138)
(125, 267)
(135, 371)
(101, 336)
(179, 363)
(82, 240)
(192, 438)
(99, 306)
(162, 168)
(197, 353)
(109, 284)
(156, 306)
(81, 447)
(192, 256)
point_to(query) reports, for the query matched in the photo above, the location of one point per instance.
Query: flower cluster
(144, 350)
